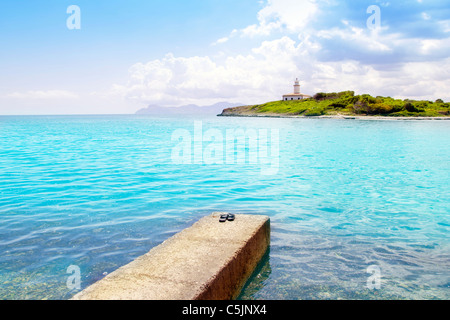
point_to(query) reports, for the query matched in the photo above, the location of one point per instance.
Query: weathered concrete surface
(208, 261)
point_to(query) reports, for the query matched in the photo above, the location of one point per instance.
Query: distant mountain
(190, 109)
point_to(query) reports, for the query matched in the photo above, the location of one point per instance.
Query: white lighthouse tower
(297, 95)
(297, 87)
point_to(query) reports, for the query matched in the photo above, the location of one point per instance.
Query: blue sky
(129, 54)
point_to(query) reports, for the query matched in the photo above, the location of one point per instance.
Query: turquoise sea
(347, 196)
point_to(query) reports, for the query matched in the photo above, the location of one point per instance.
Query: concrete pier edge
(210, 260)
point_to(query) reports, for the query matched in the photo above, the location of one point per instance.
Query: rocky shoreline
(246, 112)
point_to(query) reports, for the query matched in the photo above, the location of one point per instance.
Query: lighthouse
(297, 95)
(297, 87)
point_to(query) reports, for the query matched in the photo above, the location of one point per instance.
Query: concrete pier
(207, 261)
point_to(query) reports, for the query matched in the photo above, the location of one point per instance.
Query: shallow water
(98, 191)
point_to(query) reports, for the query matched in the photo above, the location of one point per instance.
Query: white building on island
(296, 95)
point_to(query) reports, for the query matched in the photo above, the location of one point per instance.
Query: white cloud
(280, 15)
(444, 25)
(43, 95)
(267, 73)
(294, 15)
(258, 76)
(63, 102)
(221, 40)
(425, 16)
(358, 37)
(346, 56)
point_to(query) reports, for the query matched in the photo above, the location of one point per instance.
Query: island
(345, 105)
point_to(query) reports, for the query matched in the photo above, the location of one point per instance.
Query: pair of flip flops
(225, 217)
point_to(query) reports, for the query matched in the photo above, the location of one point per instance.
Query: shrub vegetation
(347, 103)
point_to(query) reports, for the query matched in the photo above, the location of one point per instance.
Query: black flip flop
(231, 217)
(223, 218)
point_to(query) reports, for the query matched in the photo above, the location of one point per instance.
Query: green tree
(410, 107)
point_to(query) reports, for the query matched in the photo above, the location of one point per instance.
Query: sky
(115, 57)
